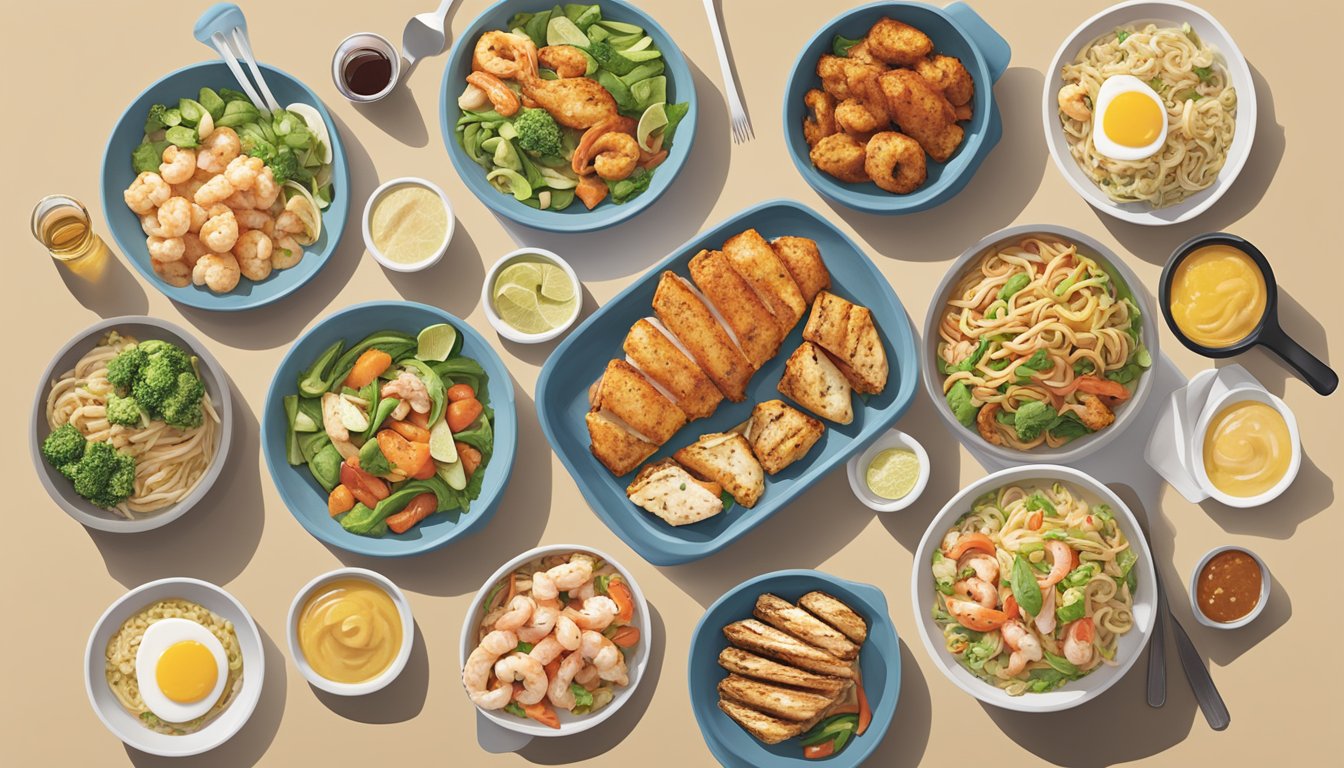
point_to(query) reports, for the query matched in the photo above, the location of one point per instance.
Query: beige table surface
(74, 67)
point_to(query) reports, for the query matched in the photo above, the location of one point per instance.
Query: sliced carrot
(865, 712)
(591, 190)
(470, 457)
(620, 593)
(462, 413)
(426, 471)
(543, 713)
(340, 500)
(971, 541)
(654, 160)
(421, 506)
(1010, 607)
(1034, 520)
(412, 432)
(626, 637)
(819, 750)
(460, 392)
(1098, 386)
(420, 420)
(368, 367)
(366, 488)
(405, 455)
(552, 669)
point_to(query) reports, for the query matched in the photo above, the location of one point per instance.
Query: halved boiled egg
(181, 669)
(1130, 121)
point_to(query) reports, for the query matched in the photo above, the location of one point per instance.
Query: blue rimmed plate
(562, 389)
(125, 225)
(305, 498)
(879, 668)
(956, 30)
(575, 218)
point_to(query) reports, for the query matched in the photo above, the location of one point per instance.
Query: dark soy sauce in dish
(367, 72)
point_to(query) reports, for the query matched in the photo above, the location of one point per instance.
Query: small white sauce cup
(1244, 620)
(508, 331)
(857, 469)
(1220, 403)
(362, 41)
(378, 255)
(386, 676)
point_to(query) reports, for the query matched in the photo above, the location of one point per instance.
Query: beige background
(71, 70)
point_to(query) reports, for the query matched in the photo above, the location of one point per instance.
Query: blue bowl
(956, 31)
(562, 389)
(306, 499)
(125, 225)
(879, 666)
(575, 218)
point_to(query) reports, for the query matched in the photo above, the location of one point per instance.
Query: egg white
(1110, 88)
(158, 637)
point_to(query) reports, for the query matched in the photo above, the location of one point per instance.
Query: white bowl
(508, 331)
(1074, 692)
(126, 727)
(857, 469)
(1211, 33)
(1244, 620)
(1217, 405)
(383, 189)
(635, 660)
(367, 686)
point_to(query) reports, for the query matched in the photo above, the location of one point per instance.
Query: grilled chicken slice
(612, 442)
(780, 434)
(813, 381)
(687, 317)
(752, 635)
(664, 364)
(834, 612)
(667, 490)
(758, 667)
(775, 700)
(726, 458)
(846, 331)
(766, 729)
(785, 616)
(752, 324)
(626, 394)
(753, 258)
(802, 258)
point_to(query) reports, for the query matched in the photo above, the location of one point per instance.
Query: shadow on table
(231, 517)
(629, 248)
(1299, 323)
(1001, 189)
(104, 284)
(923, 423)
(453, 284)
(908, 737)
(401, 700)
(1311, 493)
(397, 114)
(248, 746)
(598, 741)
(458, 567)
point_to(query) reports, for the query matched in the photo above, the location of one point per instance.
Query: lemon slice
(435, 342)
(893, 473)
(653, 119)
(555, 284)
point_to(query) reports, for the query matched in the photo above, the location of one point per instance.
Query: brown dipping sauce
(367, 72)
(1229, 586)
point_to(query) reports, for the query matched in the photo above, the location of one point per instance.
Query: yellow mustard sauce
(1217, 296)
(350, 631)
(408, 224)
(1247, 449)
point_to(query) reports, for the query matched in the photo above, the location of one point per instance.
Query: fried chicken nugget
(964, 112)
(895, 162)
(852, 117)
(897, 43)
(840, 75)
(820, 123)
(842, 156)
(922, 113)
(948, 76)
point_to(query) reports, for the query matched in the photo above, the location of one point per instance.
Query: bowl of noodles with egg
(175, 465)
(1040, 344)
(174, 667)
(1149, 111)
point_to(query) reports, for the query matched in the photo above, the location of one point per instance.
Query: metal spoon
(425, 34)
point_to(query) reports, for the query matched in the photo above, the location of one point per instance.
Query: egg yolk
(1133, 120)
(186, 672)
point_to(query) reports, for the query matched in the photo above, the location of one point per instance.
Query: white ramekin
(387, 675)
(508, 331)
(383, 189)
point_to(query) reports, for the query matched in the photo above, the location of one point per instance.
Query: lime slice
(893, 473)
(555, 284)
(520, 308)
(653, 119)
(435, 342)
(523, 274)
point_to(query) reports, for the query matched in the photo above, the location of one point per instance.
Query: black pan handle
(1316, 373)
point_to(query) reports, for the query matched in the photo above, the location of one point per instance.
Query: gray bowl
(1083, 446)
(142, 328)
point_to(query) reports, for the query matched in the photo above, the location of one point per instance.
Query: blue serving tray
(305, 498)
(879, 666)
(562, 389)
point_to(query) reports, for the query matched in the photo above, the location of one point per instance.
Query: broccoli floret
(123, 369)
(104, 475)
(182, 408)
(64, 446)
(123, 410)
(284, 166)
(539, 133)
(158, 377)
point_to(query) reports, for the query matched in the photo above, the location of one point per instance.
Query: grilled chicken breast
(780, 434)
(661, 361)
(758, 667)
(846, 331)
(614, 444)
(835, 613)
(802, 258)
(753, 258)
(813, 381)
(752, 635)
(726, 458)
(766, 729)
(751, 322)
(667, 490)
(687, 317)
(775, 700)
(626, 394)
(785, 616)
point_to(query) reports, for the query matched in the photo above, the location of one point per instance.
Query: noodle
(1201, 113)
(122, 648)
(1038, 322)
(1102, 585)
(169, 462)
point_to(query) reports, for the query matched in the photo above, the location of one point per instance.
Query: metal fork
(741, 123)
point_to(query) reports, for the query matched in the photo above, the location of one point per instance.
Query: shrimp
(597, 613)
(501, 96)
(253, 251)
(1045, 620)
(615, 155)
(988, 425)
(1078, 641)
(588, 677)
(249, 218)
(559, 691)
(1094, 413)
(192, 249)
(179, 164)
(519, 667)
(573, 574)
(1061, 562)
(286, 253)
(541, 622)
(986, 567)
(519, 611)
(265, 189)
(1075, 103)
(216, 190)
(841, 156)
(216, 271)
(289, 223)
(174, 217)
(220, 231)
(476, 672)
(894, 161)
(149, 223)
(175, 273)
(979, 590)
(332, 423)
(241, 200)
(604, 655)
(147, 192)
(574, 102)
(567, 633)
(975, 616)
(218, 150)
(165, 248)
(198, 217)
(1025, 646)
(187, 188)
(497, 53)
(548, 650)
(565, 60)
(242, 171)
(820, 123)
(409, 388)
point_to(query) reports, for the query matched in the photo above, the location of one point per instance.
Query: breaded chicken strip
(726, 458)
(664, 364)
(781, 434)
(626, 394)
(753, 258)
(897, 43)
(803, 260)
(812, 380)
(922, 113)
(614, 445)
(846, 331)
(753, 325)
(687, 317)
(841, 156)
(948, 76)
